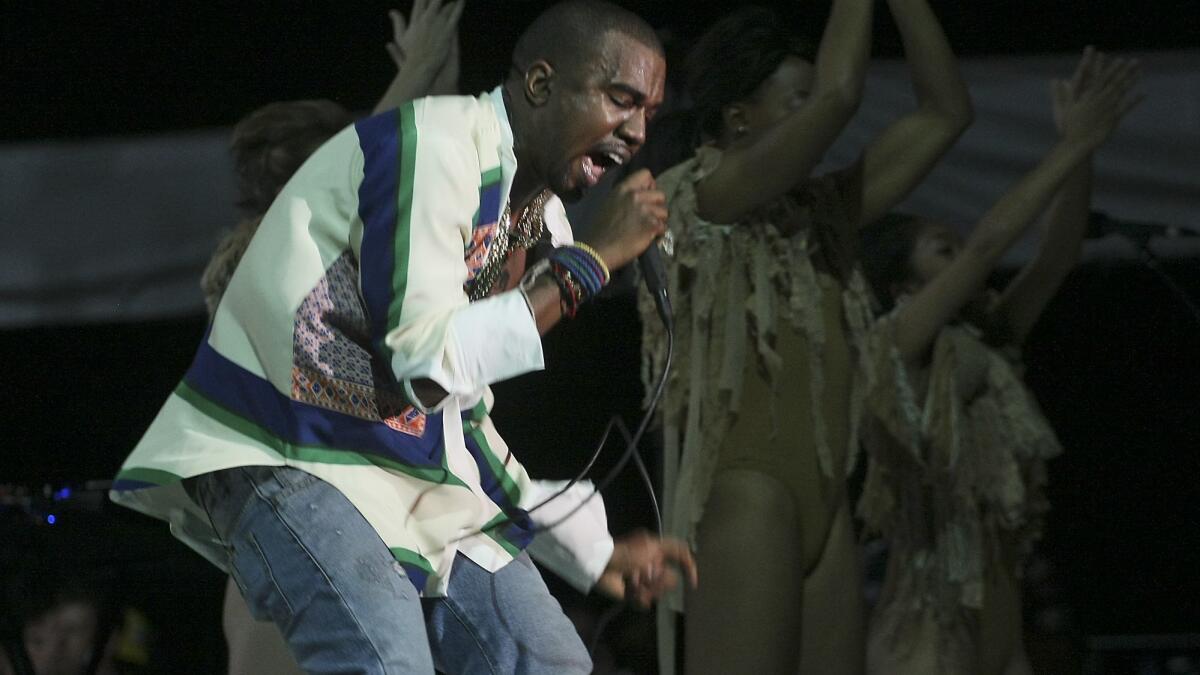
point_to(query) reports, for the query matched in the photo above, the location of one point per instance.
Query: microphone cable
(1153, 263)
(654, 274)
(631, 452)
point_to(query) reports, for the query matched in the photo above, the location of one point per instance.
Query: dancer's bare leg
(833, 635)
(1019, 663)
(914, 653)
(746, 615)
(1001, 639)
(255, 647)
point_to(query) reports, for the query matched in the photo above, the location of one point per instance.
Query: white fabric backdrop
(120, 229)
(1148, 172)
(110, 230)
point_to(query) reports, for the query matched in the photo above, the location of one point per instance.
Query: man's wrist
(606, 253)
(614, 557)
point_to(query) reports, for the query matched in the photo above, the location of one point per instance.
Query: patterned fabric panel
(481, 243)
(486, 223)
(331, 350)
(332, 336)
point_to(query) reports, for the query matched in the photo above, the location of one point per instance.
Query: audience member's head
(63, 619)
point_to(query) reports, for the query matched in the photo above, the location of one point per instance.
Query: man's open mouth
(597, 162)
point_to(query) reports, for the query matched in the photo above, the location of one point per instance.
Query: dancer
(332, 434)
(768, 305)
(957, 444)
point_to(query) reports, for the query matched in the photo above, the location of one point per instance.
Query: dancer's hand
(446, 82)
(428, 40)
(425, 51)
(643, 567)
(1088, 107)
(1064, 93)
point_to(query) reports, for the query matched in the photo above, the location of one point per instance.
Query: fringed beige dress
(768, 374)
(955, 481)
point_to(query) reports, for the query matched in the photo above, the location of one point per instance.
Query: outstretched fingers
(399, 24)
(1084, 71)
(677, 552)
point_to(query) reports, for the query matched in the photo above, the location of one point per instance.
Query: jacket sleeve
(579, 548)
(419, 203)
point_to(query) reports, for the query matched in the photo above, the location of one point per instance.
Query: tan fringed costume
(766, 374)
(955, 484)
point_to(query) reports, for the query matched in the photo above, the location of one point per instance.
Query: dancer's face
(935, 248)
(781, 94)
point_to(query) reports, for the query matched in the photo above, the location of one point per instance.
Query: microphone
(1101, 224)
(654, 272)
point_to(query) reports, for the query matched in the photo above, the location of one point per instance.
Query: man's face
(596, 117)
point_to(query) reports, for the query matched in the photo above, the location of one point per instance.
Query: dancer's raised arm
(425, 51)
(765, 158)
(946, 290)
(1065, 223)
(900, 158)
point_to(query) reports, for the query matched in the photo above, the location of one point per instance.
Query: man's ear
(539, 80)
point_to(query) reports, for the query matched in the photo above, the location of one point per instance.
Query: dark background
(80, 69)
(1115, 362)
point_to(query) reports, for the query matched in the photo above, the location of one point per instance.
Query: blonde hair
(224, 261)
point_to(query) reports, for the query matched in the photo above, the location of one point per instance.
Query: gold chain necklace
(525, 234)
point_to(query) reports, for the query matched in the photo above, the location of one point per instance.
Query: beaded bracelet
(571, 293)
(595, 257)
(585, 264)
(588, 278)
(580, 273)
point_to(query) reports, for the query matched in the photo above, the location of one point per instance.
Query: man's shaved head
(586, 78)
(573, 33)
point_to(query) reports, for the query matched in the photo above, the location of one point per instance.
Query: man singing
(330, 445)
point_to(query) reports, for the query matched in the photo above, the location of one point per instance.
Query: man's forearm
(545, 301)
(475, 345)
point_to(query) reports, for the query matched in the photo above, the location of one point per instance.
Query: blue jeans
(305, 558)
